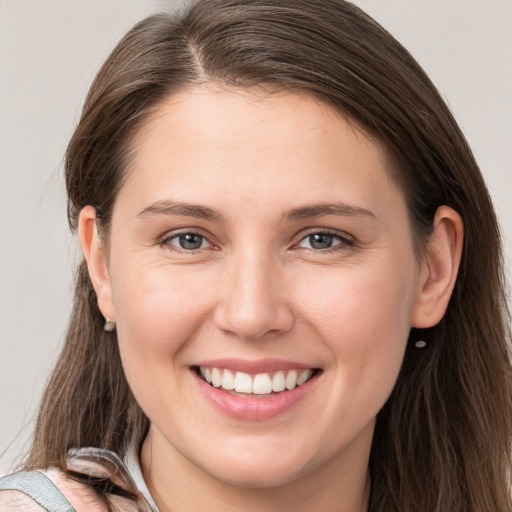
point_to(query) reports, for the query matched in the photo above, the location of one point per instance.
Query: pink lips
(249, 408)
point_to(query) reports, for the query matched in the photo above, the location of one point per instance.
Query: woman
(292, 293)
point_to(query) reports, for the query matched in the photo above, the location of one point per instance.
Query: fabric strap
(38, 487)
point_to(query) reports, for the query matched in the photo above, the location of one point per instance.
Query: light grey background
(49, 53)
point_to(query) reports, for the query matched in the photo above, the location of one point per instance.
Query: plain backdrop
(49, 54)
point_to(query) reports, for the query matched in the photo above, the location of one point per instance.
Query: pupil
(320, 241)
(191, 241)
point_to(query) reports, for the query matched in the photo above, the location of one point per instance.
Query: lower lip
(254, 409)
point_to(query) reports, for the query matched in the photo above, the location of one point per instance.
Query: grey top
(39, 487)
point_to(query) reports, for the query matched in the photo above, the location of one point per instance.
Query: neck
(341, 484)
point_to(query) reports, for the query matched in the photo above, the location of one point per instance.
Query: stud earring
(420, 344)
(109, 325)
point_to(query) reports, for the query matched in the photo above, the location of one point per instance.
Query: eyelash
(345, 241)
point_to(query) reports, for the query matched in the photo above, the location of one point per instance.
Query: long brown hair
(442, 440)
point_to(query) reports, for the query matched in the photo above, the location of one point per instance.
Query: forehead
(247, 145)
(223, 116)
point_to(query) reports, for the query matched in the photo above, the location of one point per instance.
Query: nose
(253, 302)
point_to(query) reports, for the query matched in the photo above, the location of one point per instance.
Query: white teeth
(228, 380)
(278, 382)
(207, 374)
(259, 384)
(243, 383)
(291, 380)
(262, 384)
(216, 378)
(303, 377)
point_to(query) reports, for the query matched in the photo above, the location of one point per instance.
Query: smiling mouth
(258, 385)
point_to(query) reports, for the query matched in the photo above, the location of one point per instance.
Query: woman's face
(259, 239)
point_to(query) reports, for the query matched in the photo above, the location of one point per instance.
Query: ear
(439, 269)
(96, 258)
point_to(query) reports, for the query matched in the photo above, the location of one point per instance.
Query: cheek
(365, 302)
(362, 315)
(157, 312)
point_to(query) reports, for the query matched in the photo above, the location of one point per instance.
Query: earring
(420, 344)
(109, 325)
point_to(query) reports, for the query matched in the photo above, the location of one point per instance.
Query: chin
(256, 476)
(257, 470)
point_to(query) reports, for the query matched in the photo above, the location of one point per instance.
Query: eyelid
(324, 231)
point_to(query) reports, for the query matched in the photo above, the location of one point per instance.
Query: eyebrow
(168, 207)
(319, 210)
(184, 209)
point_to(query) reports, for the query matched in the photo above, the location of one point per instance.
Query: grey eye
(319, 241)
(322, 241)
(188, 241)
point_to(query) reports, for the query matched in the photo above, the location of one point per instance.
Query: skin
(257, 288)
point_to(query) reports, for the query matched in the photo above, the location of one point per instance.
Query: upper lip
(254, 366)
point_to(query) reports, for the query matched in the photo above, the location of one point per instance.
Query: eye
(321, 241)
(187, 241)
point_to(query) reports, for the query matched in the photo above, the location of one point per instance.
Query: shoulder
(96, 480)
(16, 501)
(38, 490)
